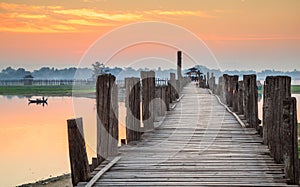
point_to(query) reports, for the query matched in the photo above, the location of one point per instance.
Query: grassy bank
(69, 90)
(60, 90)
(295, 89)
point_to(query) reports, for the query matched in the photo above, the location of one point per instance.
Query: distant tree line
(99, 68)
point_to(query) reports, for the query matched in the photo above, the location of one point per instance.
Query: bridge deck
(198, 143)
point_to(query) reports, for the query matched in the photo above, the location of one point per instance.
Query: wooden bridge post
(250, 101)
(148, 94)
(226, 88)
(174, 92)
(290, 140)
(169, 92)
(240, 97)
(179, 75)
(208, 79)
(221, 89)
(212, 83)
(269, 90)
(234, 92)
(276, 89)
(158, 104)
(107, 116)
(165, 102)
(132, 103)
(168, 97)
(80, 170)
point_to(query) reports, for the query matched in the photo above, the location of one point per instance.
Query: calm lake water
(33, 138)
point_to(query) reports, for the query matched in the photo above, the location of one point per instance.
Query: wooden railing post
(280, 124)
(179, 75)
(251, 101)
(164, 95)
(269, 90)
(132, 103)
(276, 89)
(226, 87)
(107, 116)
(80, 170)
(207, 82)
(290, 140)
(212, 83)
(167, 97)
(158, 104)
(240, 97)
(221, 89)
(170, 92)
(174, 91)
(234, 92)
(148, 94)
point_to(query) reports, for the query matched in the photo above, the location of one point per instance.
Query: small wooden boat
(38, 100)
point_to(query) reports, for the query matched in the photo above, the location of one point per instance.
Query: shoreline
(57, 181)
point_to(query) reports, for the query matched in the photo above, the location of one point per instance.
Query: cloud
(27, 16)
(250, 37)
(182, 13)
(86, 22)
(31, 18)
(90, 13)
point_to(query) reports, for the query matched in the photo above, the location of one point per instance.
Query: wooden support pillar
(148, 94)
(207, 82)
(212, 83)
(234, 92)
(250, 101)
(226, 88)
(170, 92)
(178, 88)
(179, 64)
(168, 96)
(276, 89)
(268, 91)
(164, 95)
(174, 91)
(240, 97)
(221, 89)
(132, 103)
(157, 101)
(80, 170)
(290, 140)
(107, 116)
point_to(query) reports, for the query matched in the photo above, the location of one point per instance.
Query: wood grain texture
(132, 103)
(80, 170)
(107, 116)
(199, 143)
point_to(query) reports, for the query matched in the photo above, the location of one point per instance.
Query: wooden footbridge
(199, 142)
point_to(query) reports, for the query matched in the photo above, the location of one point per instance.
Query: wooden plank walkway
(199, 143)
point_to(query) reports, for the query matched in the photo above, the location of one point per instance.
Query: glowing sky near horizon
(247, 34)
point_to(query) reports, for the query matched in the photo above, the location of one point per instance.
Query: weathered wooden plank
(148, 95)
(80, 170)
(198, 143)
(250, 100)
(102, 171)
(132, 103)
(107, 116)
(290, 140)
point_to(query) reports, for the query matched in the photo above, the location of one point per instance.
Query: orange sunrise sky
(242, 34)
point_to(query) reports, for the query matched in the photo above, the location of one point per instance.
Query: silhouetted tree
(98, 69)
